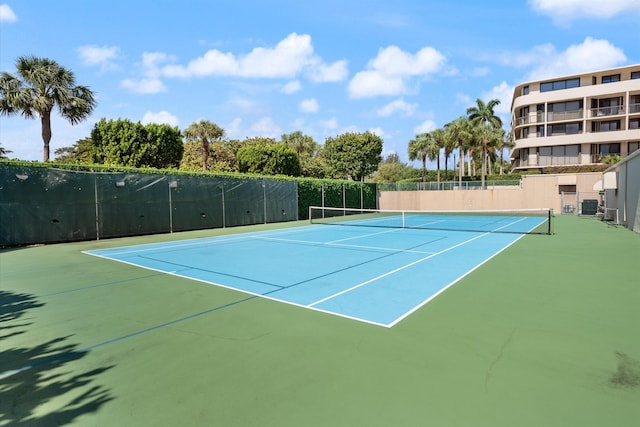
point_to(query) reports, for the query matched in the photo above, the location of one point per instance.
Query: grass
(546, 333)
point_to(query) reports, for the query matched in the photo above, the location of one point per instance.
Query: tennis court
(542, 332)
(378, 267)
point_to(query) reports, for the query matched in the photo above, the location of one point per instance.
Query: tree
(450, 144)
(419, 150)
(124, 143)
(391, 169)
(506, 142)
(487, 136)
(41, 85)
(204, 132)
(439, 139)
(483, 118)
(4, 152)
(304, 145)
(221, 156)
(272, 159)
(460, 130)
(353, 155)
(81, 152)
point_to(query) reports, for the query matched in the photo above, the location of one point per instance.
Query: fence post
(95, 191)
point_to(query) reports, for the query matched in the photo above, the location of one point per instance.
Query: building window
(635, 75)
(539, 131)
(525, 90)
(634, 123)
(564, 129)
(607, 106)
(608, 126)
(569, 110)
(606, 149)
(611, 78)
(634, 104)
(633, 146)
(544, 156)
(559, 84)
(524, 133)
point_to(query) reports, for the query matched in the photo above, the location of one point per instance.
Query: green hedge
(309, 189)
(337, 194)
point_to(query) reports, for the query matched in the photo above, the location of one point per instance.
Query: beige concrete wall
(536, 191)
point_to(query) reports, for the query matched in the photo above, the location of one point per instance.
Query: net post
(550, 213)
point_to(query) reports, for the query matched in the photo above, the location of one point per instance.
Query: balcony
(634, 108)
(607, 111)
(564, 115)
(530, 119)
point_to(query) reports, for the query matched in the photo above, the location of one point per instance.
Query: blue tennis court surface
(371, 274)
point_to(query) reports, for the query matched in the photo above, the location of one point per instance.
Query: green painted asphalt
(544, 334)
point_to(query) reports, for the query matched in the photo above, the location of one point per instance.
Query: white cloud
(151, 62)
(99, 55)
(378, 131)
(292, 87)
(290, 57)
(366, 84)
(394, 61)
(213, 62)
(162, 117)
(565, 11)
(391, 70)
(309, 106)
(536, 55)
(504, 93)
(397, 106)
(246, 106)
(590, 55)
(329, 125)
(265, 127)
(144, 86)
(150, 82)
(234, 129)
(335, 72)
(426, 126)
(7, 14)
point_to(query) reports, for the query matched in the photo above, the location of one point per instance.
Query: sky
(266, 68)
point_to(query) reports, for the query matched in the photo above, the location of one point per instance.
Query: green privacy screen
(44, 205)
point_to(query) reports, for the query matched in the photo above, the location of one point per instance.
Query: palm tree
(487, 137)
(205, 132)
(460, 130)
(4, 152)
(41, 85)
(508, 143)
(483, 117)
(419, 149)
(304, 145)
(450, 144)
(440, 142)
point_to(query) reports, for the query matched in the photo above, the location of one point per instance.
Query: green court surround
(544, 334)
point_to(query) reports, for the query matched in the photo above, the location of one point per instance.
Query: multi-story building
(576, 120)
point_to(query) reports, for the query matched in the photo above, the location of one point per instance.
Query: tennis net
(519, 221)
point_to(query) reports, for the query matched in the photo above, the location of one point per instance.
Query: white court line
(408, 265)
(201, 241)
(311, 242)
